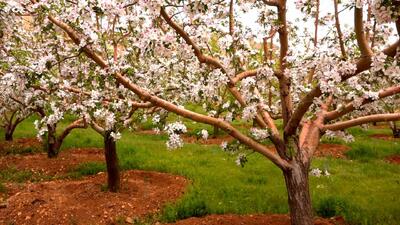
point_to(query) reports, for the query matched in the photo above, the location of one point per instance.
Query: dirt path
(274, 219)
(84, 201)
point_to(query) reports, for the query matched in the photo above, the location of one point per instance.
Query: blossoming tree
(323, 84)
(11, 111)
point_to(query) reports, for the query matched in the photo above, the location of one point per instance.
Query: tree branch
(208, 60)
(231, 18)
(339, 30)
(361, 120)
(98, 128)
(305, 103)
(271, 2)
(200, 56)
(350, 106)
(360, 34)
(80, 123)
(284, 81)
(243, 75)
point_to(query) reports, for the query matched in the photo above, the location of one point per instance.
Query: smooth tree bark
(110, 151)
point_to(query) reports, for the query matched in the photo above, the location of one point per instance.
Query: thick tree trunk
(52, 146)
(110, 150)
(298, 195)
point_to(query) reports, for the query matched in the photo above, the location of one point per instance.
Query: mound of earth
(275, 219)
(20, 146)
(85, 201)
(65, 162)
(332, 150)
(395, 159)
(385, 137)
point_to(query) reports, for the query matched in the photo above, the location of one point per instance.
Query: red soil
(385, 137)
(332, 150)
(195, 140)
(209, 141)
(395, 159)
(382, 126)
(275, 219)
(21, 143)
(39, 163)
(84, 202)
(325, 150)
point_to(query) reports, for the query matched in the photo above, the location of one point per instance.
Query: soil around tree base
(86, 202)
(64, 163)
(229, 219)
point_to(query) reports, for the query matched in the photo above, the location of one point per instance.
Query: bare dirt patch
(331, 150)
(84, 201)
(209, 141)
(149, 132)
(395, 159)
(385, 137)
(20, 146)
(326, 150)
(65, 162)
(194, 139)
(381, 126)
(274, 219)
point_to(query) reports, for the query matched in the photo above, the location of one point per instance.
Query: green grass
(364, 189)
(85, 169)
(14, 175)
(3, 188)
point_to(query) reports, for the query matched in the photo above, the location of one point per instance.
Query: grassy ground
(364, 189)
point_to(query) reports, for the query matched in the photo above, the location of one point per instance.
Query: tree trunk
(395, 130)
(298, 195)
(9, 136)
(396, 133)
(215, 132)
(52, 146)
(110, 150)
(10, 131)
